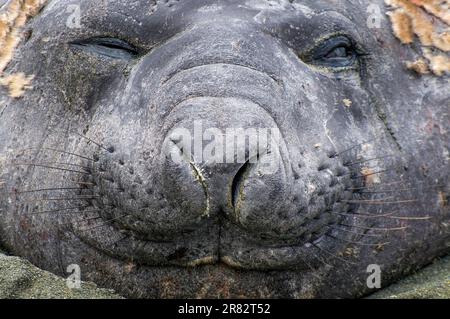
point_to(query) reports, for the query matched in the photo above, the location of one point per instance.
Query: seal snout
(228, 154)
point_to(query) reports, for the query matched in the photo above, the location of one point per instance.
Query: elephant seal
(102, 161)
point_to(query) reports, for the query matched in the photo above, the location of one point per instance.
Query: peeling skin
(17, 83)
(199, 176)
(229, 261)
(370, 176)
(418, 18)
(347, 102)
(443, 199)
(202, 261)
(12, 20)
(419, 66)
(439, 64)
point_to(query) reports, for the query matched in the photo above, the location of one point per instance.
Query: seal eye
(109, 47)
(337, 52)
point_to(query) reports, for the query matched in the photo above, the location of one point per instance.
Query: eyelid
(110, 47)
(330, 44)
(315, 56)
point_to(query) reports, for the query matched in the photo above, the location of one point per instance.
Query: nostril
(323, 167)
(236, 186)
(332, 154)
(341, 172)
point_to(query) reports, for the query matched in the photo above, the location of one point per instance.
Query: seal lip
(158, 254)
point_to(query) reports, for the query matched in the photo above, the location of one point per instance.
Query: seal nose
(224, 152)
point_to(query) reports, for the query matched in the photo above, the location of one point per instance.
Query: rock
(20, 279)
(432, 282)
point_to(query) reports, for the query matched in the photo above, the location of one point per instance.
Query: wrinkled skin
(85, 179)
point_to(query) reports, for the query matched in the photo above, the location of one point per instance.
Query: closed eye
(336, 53)
(109, 47)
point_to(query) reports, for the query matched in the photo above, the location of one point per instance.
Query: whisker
(84, 211)
(400, 190)
(63, 152)
(404, 182)
(48, 189)
(371, 187)
(313, 271)
(52, 167)
(86, 219)
(80, 210)
(369, 174)
(364, 215)
(85, 183)
(119, 240)
(368, 160)
(333, 255)
(61, 199)
(410, 218)
(353, 147)
(67, 164)
(357, 243)
(93, 210)
(92, 218)
(319, 259)
(388, 215)
(354, 233)
(59, 210)
(380, 202)
(94, 142)
(105, 223)
(376, 228)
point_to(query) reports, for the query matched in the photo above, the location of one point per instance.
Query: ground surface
(431, 282)
(20, 279)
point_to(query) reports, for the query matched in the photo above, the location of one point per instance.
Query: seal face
(223, 148)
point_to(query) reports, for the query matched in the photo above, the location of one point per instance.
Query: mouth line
(118, 249)
(215, 259)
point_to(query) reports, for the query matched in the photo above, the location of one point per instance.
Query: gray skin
(87, 182)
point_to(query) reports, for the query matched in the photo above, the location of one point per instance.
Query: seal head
(223, 149)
